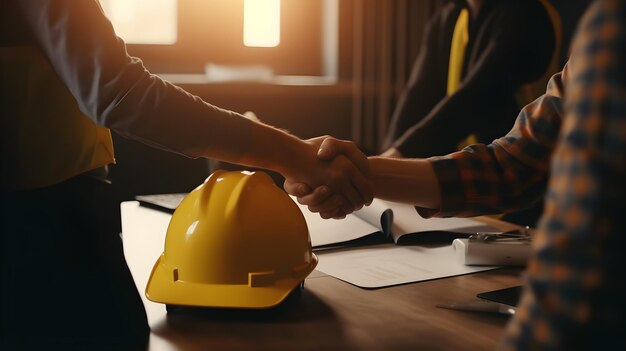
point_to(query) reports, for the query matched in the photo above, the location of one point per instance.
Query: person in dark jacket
(480, 62)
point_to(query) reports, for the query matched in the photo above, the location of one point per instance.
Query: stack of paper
(408, 248)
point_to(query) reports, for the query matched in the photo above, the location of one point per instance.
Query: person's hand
(323, 201)
(334, 203)
(330, 203)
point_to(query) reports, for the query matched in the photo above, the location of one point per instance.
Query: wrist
(404, 180)
(299, 160)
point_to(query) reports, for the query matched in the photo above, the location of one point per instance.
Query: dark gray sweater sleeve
(519, 44)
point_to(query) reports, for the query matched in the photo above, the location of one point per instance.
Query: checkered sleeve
(575, 280)
(508, 174)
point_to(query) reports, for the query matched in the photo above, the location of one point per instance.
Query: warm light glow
(143, 21)
(261, 23)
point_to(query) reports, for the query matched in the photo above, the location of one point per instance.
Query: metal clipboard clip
(517, 235)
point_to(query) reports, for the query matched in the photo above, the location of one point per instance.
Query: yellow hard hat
(237, 240)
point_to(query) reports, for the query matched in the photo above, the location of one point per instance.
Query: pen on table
(480, 306)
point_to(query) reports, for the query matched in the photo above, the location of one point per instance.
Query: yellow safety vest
(527, 92)
(46, 139)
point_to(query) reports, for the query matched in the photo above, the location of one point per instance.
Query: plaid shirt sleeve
(574, 294)
(509, 174)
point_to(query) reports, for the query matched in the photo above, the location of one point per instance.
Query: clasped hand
(340, 183)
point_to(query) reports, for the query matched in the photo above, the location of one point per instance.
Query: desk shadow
(302, 319)
(295, 306)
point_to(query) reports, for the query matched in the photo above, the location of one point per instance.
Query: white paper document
(386, 224)
(383, 265)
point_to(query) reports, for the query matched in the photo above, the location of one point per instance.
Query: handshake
(336, 183)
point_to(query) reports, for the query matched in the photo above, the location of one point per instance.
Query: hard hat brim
(162, 288)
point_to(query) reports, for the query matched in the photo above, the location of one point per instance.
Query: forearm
(271, 148)
(410, 181)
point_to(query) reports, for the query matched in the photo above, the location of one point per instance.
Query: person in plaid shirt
(569, 145)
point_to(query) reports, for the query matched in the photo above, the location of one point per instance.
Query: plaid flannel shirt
(569, 144)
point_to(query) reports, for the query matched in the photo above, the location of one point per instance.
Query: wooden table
(328, 314)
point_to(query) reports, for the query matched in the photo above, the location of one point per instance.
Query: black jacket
(511, 42)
